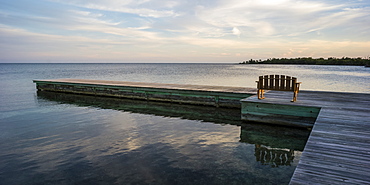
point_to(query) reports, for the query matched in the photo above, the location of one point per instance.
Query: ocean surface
(56, 138)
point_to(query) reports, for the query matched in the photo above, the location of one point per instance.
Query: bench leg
(296, 90)
(295, 96)
(260, 94)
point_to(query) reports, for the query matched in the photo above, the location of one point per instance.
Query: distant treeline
(313, 61)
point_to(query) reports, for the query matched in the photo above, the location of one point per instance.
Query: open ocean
(55, 138)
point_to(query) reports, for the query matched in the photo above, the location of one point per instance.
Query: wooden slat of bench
(288, 83)
(266, 82)
(282, 82)
(277, 83)
(271, 85)
(260, 82)
(294, 81)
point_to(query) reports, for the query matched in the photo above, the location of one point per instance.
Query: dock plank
(338, 148)
(326, 175)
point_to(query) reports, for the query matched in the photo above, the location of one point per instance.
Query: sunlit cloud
(236, 31)
(141, 8)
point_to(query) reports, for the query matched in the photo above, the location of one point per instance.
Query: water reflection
(191, 112)
(133, 146)
(274, 145)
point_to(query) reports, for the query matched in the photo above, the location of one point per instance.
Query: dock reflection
(185, 111)
(274, 145)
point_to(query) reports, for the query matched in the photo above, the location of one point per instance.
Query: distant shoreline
(311, 61)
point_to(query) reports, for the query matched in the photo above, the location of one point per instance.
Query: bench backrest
(277, 82)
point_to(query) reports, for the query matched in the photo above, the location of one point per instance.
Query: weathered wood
(338, 149)
(277, 110)
(260, 82)
(271, 85)
(266, 82)
(220, 96)
(278, 83)
(288, 82)
(282, 82)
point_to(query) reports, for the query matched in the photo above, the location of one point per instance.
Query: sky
(225, 31)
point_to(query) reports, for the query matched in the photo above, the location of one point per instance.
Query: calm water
(53, 138)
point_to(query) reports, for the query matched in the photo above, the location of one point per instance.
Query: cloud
(114, 29)
(236, 31)
(36, 46)
(144, 8)
(280, 17)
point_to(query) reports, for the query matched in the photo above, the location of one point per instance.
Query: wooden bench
(277, 83)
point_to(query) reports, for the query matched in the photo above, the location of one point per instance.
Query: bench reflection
(274, 145)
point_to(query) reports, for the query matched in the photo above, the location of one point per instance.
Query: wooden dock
(338, 148)
(219, 96)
